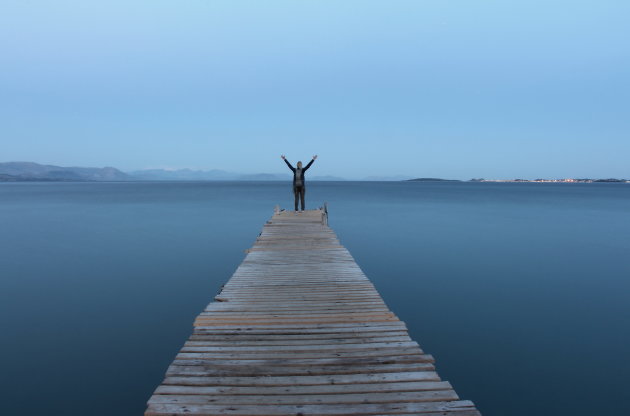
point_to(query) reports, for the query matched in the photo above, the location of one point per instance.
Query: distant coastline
(35, 172)
(566, 180)
(432, 180)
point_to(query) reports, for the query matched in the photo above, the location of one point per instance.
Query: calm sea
(521, 291)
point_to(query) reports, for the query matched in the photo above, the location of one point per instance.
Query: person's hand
(314, 157)
(282, 157)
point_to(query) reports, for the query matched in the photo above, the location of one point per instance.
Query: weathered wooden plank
(290, 330)
(315, 410)
(283, 319)
(191, 378)
(257, 312)
(253, 322)
(307, 304)
(205, 368)
(302, 338)
(304, 348)
(332, 327)
(409, 386)
(407, 356)
(263, 399)
(235, 341)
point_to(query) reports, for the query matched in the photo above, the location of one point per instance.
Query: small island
(432, 180)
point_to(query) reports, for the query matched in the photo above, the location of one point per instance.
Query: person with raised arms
(299, 186)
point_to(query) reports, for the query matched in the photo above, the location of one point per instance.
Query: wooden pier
(300, 330)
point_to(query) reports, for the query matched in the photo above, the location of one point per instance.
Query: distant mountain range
(387, 178)
(433, 180)
(181, 175)
(216, 175)
(29, 171)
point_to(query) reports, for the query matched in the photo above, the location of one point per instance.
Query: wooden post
(325, 214)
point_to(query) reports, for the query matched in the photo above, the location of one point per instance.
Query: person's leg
(302, 192)
(296, 194)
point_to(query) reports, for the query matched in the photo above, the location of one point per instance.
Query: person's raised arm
(310, 163)
(288, 164)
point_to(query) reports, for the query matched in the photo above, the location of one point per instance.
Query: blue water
(521, 291)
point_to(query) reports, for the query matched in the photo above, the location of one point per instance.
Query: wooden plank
(191, 379)
(338, 327)
(294, 350)
(304, 348)
(234, 342)
(291, 339)
(288, 362)
(263, 399)
(156, 409)
(293, 329)
(408, 386)
(293, 317)
(204, 368)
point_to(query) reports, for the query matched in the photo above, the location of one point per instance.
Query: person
(299, 186)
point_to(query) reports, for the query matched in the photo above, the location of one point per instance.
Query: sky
(447, 88)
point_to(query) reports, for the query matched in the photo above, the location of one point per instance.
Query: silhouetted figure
(299, 186)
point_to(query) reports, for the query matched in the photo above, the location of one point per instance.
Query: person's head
(300, 165)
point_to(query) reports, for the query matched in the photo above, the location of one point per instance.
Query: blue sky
(454, 89)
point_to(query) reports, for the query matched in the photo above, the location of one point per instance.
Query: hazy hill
(183, 175)
(217, 175)
(387, 178)
(265, 177)
(325, 178)
(433, 180)
(29, 171)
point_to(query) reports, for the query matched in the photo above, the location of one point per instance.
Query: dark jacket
(303, 170)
